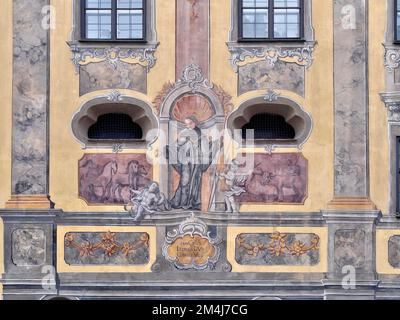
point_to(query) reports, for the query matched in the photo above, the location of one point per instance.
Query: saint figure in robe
(194, 155)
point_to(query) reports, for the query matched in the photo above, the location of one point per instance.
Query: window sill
(272, 41)
(115, 141)
(266, 142)
(110, 144)
(107, 42)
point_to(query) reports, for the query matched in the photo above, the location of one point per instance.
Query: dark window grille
(115, 126)
(397, 21)
(271, 19)
(113, 20)
(268, 126)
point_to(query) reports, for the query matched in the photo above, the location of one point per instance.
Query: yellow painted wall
(382, 251)
(378, 134)
(66, 151)
(65, 100)
(318, 101)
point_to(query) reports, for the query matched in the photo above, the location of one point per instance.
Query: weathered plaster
(28, 247)
(262, 75)
(103, 75)
(351, 101)
(30, 99)
(6, 98)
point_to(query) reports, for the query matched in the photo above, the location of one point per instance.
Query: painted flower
(298, 248)
(108, 243)
(110, 249)
(86, 249)
(108, 236)
(144, 238)
(127, 248)
(69, 239)
(277, 244)
(315, 243)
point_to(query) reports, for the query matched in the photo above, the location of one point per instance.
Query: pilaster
(31, 67)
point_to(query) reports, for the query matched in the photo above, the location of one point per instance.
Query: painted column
(351, 104)
(351, 217)
(30, 105)
(192, 35)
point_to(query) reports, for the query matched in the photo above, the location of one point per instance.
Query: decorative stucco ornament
(191, 246)
(193, 77)
(392, 58)
(271, 95)
(302, 56)
(112, 55)
(114, 96)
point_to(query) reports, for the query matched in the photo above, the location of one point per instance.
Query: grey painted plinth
(351, 254)
(191, 285)
(29, 240)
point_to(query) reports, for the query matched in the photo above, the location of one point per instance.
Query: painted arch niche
(190, 105)
(280, 123)
(104, 122)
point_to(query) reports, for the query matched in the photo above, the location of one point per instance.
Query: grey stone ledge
(198, 295)
(359, 283)
(355, 216)
(173, 218)
(28, 215)
(389, 222)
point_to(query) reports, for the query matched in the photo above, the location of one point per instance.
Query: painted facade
(312, 211)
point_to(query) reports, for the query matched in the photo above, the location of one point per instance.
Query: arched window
(268, 126)
(115, 126)
(101, 123)
(281, 123)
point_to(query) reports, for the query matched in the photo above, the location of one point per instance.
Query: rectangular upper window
(397, 21)
(271, 20)
(113, 20)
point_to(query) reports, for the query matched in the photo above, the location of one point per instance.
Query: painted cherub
(148, 200)
(235, 181)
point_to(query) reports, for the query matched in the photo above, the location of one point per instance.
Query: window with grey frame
(268, 20)
(113, 20)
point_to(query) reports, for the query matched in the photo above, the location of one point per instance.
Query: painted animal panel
(276, 178)
(111, 178)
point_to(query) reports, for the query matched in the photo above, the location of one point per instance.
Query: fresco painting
(111, 178)
(279, 178)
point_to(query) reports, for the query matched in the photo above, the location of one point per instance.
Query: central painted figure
(191, 156)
